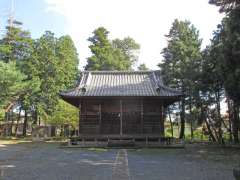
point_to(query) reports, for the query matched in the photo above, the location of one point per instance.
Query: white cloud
(147, 21)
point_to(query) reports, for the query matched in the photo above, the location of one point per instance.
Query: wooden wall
(111, 116)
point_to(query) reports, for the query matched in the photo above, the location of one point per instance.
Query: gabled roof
(121, 83)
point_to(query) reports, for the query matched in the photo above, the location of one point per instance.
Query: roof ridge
(119, 72)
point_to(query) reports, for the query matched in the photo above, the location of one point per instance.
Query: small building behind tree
(121, 103)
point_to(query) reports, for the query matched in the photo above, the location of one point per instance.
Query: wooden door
(110, 117)
(131, 116)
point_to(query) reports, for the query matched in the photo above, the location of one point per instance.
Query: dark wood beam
(162, 119)
(121, 113)
(100, 116)
(141, 116)
(80, 111)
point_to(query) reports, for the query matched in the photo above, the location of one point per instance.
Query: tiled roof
(121, 83)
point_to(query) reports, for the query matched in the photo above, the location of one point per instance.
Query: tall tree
(211, 88)
(181, 62)
(54, 63)
(16, 47)
(67, 55)
(227, 45)
(15, 44)
(48, 65)
(11, 82)
(107, 55)
(64, 114)
(129, 47)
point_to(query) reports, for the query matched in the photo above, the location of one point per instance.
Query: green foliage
(54, 63)
(229, 44)
(180, 66)
(143, 67)
(129, 47)
(221, 62)
(224, 52)
(68, 61)
(64, 114)
(15, 45)
(12, 85)
(2, 113)
(33, 72)
(182, 55)
(107, 55)
(226, 5)
(11, 82)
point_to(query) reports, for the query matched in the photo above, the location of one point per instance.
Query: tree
(54, 64)
(11, 82)
(16, 47)
(129, 47)
(142, 67)
(227, 45)
(64, 114)
(226, 5)
(16, 43)
(211, 89)
(48, 65)
(107, 55)
(12, 85)
(181, 61)
(68, 61)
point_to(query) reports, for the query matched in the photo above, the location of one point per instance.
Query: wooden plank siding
(121, 117)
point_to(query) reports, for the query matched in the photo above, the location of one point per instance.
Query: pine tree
(181, 61)
(107, 55)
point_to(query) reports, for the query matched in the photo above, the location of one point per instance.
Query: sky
(146, 21)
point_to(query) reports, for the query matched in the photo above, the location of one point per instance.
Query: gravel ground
(45, 161)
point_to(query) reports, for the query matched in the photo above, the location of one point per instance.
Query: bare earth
(46, 161)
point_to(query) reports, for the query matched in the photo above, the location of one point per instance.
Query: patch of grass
(14, 141)
(97, 149)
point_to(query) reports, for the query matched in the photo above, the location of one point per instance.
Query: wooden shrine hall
(121, 103)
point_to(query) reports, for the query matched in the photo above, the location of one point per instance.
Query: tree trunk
(12, 122)
(35, 121)
(219, 118)
(39, 121)
(61, 131)
(182, 116)
(204, 118)
(25, 124)
(210, 131)
(170, 119)
(235, 122)
(230, 119)
(18, 119)
(191, 117)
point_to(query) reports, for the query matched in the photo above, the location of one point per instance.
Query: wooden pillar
(162, 120)
(141, 123)
(100, 116)
(121, 113)
(79, 123)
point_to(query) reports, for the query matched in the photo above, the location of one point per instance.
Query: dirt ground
(46, 161)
